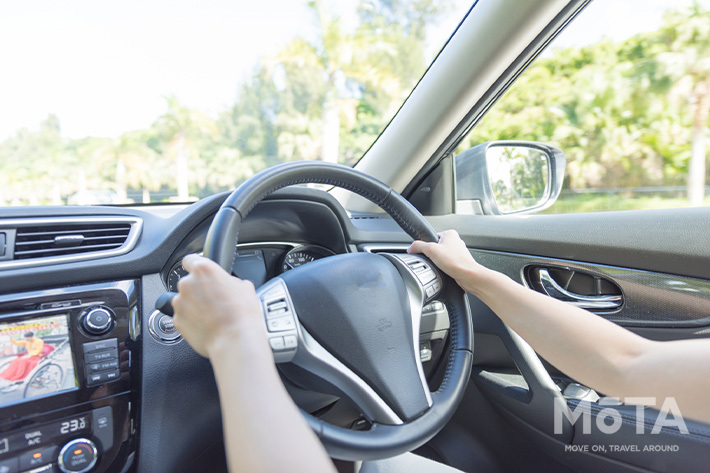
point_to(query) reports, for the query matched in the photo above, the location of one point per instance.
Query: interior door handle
(552, 289)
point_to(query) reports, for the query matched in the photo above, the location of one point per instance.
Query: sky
(106, 67)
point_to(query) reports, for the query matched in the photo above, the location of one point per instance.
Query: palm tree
(687, 37)
(181, 129)
(137, 166)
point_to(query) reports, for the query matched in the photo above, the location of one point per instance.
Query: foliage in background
(327, 98)
(627, 114)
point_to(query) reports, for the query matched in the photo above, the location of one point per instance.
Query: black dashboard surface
(175, 393)
(298, 215)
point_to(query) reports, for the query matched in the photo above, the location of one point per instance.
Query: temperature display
(72, 425)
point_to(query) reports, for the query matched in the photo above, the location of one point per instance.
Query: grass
(582, 203)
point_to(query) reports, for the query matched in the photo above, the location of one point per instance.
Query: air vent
(384, 248)
(68, 239)
(40, 241)
(367, 217)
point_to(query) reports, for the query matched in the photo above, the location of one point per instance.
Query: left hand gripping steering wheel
(352, 320)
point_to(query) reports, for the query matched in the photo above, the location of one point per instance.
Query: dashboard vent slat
(34, 231)
(40, 241)
(20, 254)
(37, 242)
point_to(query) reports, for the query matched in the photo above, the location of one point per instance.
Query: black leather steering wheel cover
(224, 231)
(381, 441)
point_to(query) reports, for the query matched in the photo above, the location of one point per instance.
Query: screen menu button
(101, 361)
(104, 377)
(101, 345)
(91, 358)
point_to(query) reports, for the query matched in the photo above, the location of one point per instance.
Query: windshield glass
(171, 101)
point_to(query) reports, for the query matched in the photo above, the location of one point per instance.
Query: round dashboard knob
(97, 321)
(77, 456)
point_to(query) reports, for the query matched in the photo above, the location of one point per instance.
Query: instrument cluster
(261, 262)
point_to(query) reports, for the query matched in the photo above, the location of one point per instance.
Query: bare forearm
(597, 352)
(264, 431)
(587, 347)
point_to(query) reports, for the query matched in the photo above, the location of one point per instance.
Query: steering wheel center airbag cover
(356, 306)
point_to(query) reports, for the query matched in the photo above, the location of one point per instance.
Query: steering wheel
(352, 320)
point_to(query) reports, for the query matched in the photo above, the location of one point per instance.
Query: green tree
(686, 37)
(181, 131)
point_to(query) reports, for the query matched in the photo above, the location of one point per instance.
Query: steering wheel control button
(280, 320)
(37, 458)
(290, 342)
(162, 328)
(429, 280)
(426, 277)
(280, 324)
(277, 343)
(433, 289)
(78, 456)
(97, 321)
(277, 306)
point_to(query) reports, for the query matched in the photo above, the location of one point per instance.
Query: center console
(67, 365)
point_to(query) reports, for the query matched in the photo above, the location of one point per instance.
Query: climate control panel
(69, 410)
(65, 443)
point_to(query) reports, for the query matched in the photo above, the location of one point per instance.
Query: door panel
(673, 241)
(660, 260)
(650, 299)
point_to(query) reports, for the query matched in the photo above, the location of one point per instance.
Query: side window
(624, 93)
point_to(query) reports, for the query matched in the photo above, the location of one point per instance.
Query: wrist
(480, 281)
(244, 340)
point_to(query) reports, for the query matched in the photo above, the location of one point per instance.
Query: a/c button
(36, 458)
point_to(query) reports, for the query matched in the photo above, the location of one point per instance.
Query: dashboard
(259, 262)
(120, 390)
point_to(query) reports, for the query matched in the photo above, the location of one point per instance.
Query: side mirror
(508, 177)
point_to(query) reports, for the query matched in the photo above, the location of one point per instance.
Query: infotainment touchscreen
(35, 359)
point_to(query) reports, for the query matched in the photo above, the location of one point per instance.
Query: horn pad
(356, 306)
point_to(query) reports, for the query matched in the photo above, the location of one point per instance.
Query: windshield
(139, 102)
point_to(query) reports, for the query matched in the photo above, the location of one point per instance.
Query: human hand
(211, 304)
(451, 256)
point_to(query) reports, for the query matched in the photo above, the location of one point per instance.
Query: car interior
(461, 392)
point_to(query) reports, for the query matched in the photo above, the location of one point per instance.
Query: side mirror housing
(508, 177)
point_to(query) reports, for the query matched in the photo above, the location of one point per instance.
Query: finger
(189, 261)
(419, 246)
(193, 262)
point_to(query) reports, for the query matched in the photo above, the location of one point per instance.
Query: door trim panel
(651, 299)
(672, 241)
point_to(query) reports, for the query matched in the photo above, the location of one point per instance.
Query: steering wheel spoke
(423, 284)
(303, 350)
(315, 359)
(422, 279)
